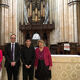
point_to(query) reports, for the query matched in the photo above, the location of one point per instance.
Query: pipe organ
(36, 11)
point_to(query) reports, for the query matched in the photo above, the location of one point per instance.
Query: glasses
(13, 38)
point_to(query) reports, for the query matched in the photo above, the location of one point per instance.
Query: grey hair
(41, 42)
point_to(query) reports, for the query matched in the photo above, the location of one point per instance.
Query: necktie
(13, 52)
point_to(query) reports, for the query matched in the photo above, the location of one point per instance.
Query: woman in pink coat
(43, 62)
(1, 57)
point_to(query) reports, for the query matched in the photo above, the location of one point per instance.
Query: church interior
(57, 22)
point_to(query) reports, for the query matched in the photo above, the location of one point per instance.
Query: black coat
(28, 55)
(8, 54)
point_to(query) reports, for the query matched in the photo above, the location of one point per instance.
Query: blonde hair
(41, 41)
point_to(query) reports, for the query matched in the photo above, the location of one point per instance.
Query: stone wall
(11, 15)
(65, 16)
(67, 21)
(8, 20)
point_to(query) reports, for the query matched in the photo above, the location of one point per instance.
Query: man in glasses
(12, 58)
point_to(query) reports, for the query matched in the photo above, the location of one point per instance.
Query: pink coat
(47, 57)
(1, 56)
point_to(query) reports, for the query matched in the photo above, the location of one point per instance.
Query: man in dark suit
(28, 58)
(12, 58)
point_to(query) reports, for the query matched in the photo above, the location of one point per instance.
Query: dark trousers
(44, 79)
(12, 71)
(28, 73)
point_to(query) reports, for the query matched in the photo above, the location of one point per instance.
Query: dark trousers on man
(44, 79)
(12, 72)
(28, 73)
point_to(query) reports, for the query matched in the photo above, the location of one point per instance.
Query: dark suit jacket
(8, 54)
(28, 55)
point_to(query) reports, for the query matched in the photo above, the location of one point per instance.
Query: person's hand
(35, 68)
(50, 67)
(13, 64)
(29, 66)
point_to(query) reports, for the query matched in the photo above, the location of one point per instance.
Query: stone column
(55, 35)
(14, 16)
(10, 24)
(75, 23)
(9, 20)
(78, 16)
(61, 20)
(66, 20)
(6, 25)
(20, 17)
(3, 24)
(71, 26)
